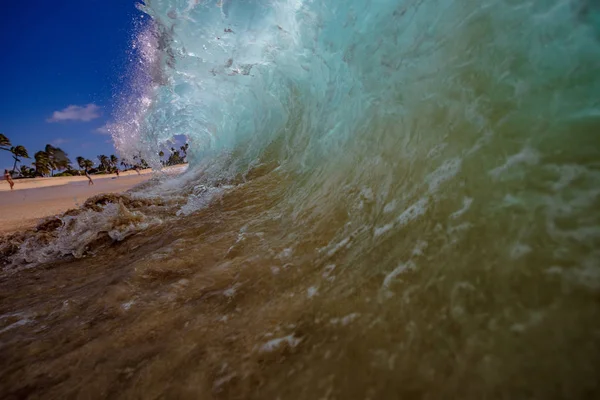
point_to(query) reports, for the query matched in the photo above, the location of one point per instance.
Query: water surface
(386, 199)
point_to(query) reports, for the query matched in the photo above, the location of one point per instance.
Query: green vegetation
(18, 152)
(45, 161)
(175, 157)
(53, 161)
(84, 163)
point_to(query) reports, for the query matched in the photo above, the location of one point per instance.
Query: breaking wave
(430, 119)
(412, 186)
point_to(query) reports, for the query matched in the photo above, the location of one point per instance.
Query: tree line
(51, 159)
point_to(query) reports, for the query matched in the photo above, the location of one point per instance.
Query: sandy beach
(34, 199)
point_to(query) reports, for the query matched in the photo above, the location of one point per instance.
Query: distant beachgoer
(137, 169)
(117, 171)
(9, 179)
(87, 175)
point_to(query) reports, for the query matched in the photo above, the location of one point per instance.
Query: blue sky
(62, 65)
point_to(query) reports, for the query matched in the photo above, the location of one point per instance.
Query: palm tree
(18, 151)
(4, 142)
(114, 161)
(57, 158)
(27, 172)
(104, 162)
(141, 163)
(174, 158)
(80, 161)
(84, 163)
(87, 164)
(42, 163)
(184, 149)
(69, 170)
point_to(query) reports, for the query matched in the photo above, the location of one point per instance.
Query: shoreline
(24, 207)
(32, 183)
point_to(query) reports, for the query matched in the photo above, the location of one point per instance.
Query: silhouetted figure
(9, 179)
(87, 175)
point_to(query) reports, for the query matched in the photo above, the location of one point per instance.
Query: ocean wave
(408, 187)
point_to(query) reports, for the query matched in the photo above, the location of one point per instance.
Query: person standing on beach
(9, 179)
(87, 175)
(117, 172)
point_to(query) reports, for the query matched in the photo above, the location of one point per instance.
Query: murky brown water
(242, 300)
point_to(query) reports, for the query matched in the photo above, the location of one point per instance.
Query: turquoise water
(385, 199)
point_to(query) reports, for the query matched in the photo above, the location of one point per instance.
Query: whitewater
(384, 199)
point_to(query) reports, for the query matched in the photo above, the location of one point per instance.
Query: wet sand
(32, 183)
(24, 207)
